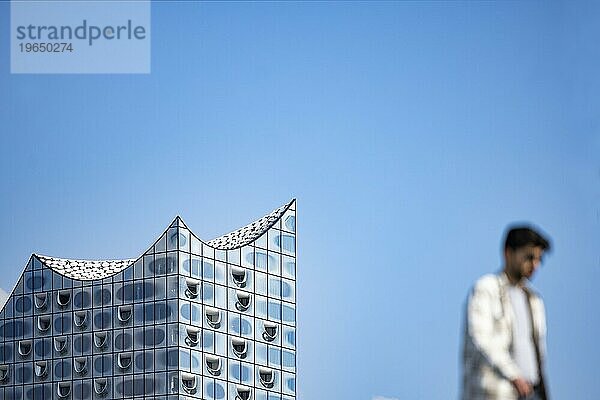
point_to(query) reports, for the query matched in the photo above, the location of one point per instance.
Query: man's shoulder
(487, 282)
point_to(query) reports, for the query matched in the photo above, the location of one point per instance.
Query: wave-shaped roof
(85, 270)
(249, 233)
(99, 269)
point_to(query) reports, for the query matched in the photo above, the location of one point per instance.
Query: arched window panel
(124, 361)
(239, 347)
(243, 392)
(125, 314)
(189, 383)
(80, 365)
(24, 348)
(241, 301)
(192, 288)
(240, 277)
(213, 317)
(44, 323)
(213, 364)
(193, 336)
(63, 390)
(267, 377)
(41, 301)
(40, 369)
(80, 319)
(63, 298)
(269, 331)
(61, 345)
(101, 386)
(4, 373)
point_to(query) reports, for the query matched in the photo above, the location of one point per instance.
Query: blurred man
(504, 342)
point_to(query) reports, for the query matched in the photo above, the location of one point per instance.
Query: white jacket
(488, 365)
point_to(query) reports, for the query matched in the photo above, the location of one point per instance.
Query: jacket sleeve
(484, 313)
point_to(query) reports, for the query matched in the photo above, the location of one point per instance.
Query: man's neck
(514, 280)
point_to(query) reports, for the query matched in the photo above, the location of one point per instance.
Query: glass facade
(186, 320)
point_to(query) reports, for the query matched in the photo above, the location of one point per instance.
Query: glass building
(186, 320)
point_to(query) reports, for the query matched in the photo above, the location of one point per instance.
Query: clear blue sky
(411, 133)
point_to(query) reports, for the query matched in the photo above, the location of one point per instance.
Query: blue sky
(411, 134)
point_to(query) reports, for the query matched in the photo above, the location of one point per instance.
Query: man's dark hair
(520, 236)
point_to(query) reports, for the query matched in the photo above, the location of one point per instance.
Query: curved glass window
(63, 298)
(213, 317)
(239, 347)
(44, 323)
(124, 361)
(100, 339)
(24, 347)
(41, 369)
(192, 338)
(41, 300)
(124, 314)
(213, 365)
(3, 372)
(243, 300)
(192, 288)
(101, 386)
(80, 365)
(189, 382)
(63, 389)
(266, 377)
(239, 276)
(243, 392)
(80, 319)
(60, 344)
